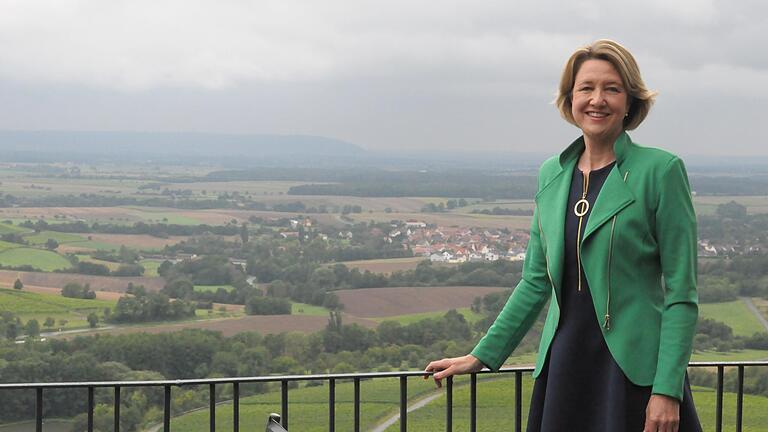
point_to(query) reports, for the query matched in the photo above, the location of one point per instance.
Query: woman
(612, 219)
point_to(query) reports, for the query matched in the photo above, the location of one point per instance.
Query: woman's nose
(597, 98)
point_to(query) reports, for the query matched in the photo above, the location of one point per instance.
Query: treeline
(416, 184)
(730, 185)
(202, 354)
(500, 211)
(725, 280)
(161, 230)
(731, 226)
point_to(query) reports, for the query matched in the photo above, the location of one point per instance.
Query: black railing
(331, 379)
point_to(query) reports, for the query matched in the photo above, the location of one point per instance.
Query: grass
(309, 407)
(740, 355)
(109, 264)
(42, 237)
(97, 245)
(470, 316)
(735, 314)
(29, 305)
(4, 245)
(213, 288)
(308, 309)
(150, 266)
(11, 229)
(43, 259)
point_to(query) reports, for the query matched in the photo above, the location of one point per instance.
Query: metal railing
(356, 378)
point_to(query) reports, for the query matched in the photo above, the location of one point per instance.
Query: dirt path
(751, 305)
(420, 403)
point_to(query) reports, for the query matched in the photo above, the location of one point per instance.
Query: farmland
(385, 302)
(30, 305)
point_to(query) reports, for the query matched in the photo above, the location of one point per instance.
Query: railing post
(357, 404)
(212, 407)
(167, 409)
(90, 409)
(39, 410)
(403, 404)
(740, 399)
(449, 404)
(719, 403)
(331, 405)
(236, 406)
(117, 409)
(284, 403)
(518, 401)
(473, 402)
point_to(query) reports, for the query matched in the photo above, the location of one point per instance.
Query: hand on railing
(453, 366)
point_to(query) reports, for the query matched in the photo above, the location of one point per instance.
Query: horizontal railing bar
(313, 377)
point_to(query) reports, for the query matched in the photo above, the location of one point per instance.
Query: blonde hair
(640, 98)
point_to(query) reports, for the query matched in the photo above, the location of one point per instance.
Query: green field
(735, 314)
(43, 236)
(150, 266)
(309, 407)
(4, 245)
(470, 316)
(109, 264)
(43, 259)
(213, 288)
(29, 305)
(11, 229)
(308, 309)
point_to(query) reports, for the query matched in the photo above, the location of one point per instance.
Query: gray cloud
(387, 75)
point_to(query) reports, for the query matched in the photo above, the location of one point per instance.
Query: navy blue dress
(581, 388)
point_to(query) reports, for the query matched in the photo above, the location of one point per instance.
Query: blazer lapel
(552, 201)
(613, 197)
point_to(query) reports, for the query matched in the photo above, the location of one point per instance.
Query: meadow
(308, 407)
(736, 314)
(29, 305)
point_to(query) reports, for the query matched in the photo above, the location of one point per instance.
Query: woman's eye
(614, 89)
(585, 89)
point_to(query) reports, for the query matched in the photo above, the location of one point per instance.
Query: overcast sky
(386, 75)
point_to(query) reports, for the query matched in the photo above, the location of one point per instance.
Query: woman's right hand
(453, 366)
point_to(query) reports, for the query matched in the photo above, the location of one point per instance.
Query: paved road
(751, 305)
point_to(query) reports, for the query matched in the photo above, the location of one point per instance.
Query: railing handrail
(308, 377)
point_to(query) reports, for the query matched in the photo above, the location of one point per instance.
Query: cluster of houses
(460, 244)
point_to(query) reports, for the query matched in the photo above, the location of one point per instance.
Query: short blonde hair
(640, 98)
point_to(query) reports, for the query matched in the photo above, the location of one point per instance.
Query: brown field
(98, 283)
(384, 302)
(138, 241)
(385, 266)
(231, 326)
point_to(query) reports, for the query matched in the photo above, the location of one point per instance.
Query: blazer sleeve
(522, 308)
(677, 242)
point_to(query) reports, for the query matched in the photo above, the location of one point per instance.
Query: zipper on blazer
(607, 322)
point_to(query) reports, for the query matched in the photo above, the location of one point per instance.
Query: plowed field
(383, 302)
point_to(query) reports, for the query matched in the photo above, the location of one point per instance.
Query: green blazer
(642, 230)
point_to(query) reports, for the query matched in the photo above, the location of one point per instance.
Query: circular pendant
(581, 208)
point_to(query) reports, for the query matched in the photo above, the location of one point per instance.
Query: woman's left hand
(662, 414)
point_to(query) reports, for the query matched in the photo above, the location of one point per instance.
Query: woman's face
(599, 101)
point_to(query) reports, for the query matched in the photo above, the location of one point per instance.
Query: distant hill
(62, 145)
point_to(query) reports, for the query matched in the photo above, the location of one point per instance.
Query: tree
(93, 320)
(244, 233)
(51, 244)
(17, 285)
(49, 323)
(32, 328)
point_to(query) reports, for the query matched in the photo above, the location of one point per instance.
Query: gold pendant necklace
(580, 209)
